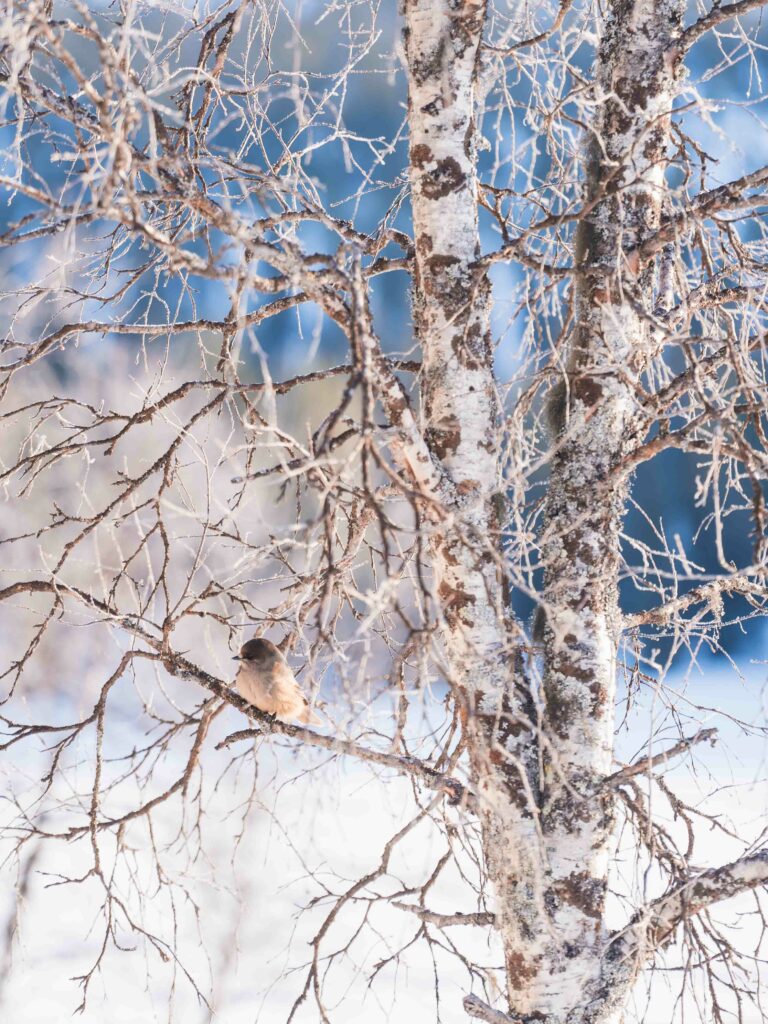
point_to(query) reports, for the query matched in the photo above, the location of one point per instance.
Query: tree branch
(446, 920)
(408, 446)
(716, 17)
(177, 665)
(711, 593)
(662, 917)
(646, 764)
(628, 950)
(457, 793)
(540, 37)
(729, 196)
(476, 1008)
(653, 925)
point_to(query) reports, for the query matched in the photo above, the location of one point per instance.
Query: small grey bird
(265, 680)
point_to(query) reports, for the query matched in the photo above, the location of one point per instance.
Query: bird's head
(257, 649)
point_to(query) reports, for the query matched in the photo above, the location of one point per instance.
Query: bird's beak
(236, 657)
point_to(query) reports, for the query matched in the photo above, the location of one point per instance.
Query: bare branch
(710, 594)
(647, 764)
(718, 15)
(480, 1010)
(656, 924)
(458, 794)
(446, 920)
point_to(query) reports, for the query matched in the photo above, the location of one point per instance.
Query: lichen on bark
(547, 824)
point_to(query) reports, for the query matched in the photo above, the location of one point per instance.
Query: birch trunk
(614, 297)
(547, 823)
(461, 414)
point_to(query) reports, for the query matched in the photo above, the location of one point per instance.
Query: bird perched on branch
(265, 679)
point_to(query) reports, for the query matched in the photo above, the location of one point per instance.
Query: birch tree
(193, 200)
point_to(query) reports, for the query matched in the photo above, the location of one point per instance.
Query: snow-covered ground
(272, 842)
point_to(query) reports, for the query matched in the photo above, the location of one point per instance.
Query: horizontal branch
(710, 593)
(647, 764)
(181, 668)
(697, 372)
(481, 918)
(147, 330)
(627, 951)
(457, 793)
(729, 196)
(476, 1008)
(716, 17)
(710, 887)
(655, 924)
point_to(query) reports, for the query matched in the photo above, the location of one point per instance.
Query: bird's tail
(308, 717)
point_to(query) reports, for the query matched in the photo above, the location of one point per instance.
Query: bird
(266, 681)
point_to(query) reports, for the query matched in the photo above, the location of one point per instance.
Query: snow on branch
(709, 594)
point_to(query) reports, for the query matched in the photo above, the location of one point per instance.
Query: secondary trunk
(547, 823)
(593, 414)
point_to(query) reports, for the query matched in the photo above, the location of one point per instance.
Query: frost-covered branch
(654, 925)
(446, 920)
(719, 14)
(367, 332)
(647, 764)
(457, 793)
(480, 1010)
(708, 594)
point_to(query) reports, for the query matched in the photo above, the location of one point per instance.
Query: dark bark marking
(467, 486)
(444, 280)
(587, 390)
(468, 136)
(454, 600)
(519, 971)
(445, 437)
(440, 262)
(421, 155)
(582, 891)
(466, 28)
(424, 244)
(599, 697)
(561, 702)
(430, 66)
(471, 347)
(447, 177)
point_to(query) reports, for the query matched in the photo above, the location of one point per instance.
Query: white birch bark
(461, 414)
(550, 885)
(592, 414)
